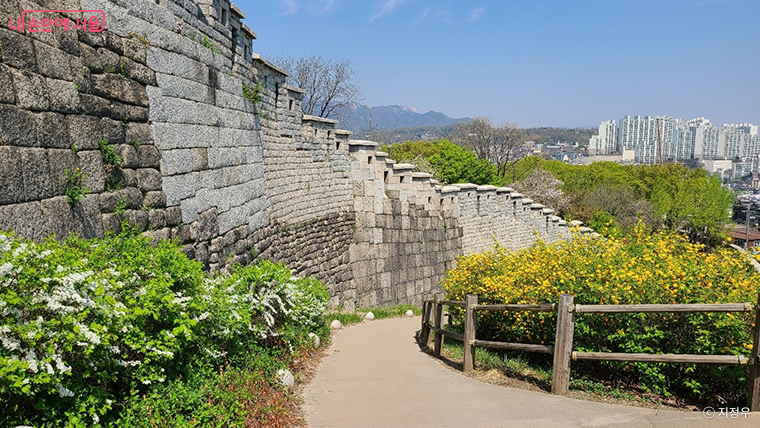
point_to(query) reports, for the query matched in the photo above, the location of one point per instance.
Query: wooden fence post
(438, 313)
(563, 345)
(469, 332)
(753, 398)
(425, 330)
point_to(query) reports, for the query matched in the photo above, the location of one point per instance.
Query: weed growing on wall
(252, 93)
(638, 269)
(110, 157)
(206, 42)
(75, 189)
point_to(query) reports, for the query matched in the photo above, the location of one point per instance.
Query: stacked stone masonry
(216, 154)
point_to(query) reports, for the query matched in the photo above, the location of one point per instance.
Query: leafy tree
(698, 205)
(448, 162)
(456, 164)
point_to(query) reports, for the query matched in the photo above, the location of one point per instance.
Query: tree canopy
(449, 162)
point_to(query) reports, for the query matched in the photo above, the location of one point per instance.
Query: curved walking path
(376, 376)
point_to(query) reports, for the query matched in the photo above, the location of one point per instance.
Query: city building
(655, 139)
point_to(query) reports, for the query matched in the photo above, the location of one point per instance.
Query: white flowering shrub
(85, 324)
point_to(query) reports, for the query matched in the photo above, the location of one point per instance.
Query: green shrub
(639, 269)
(451, 163)
(87, 324)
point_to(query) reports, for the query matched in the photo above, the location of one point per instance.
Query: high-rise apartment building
(681, 140)
(605, 143)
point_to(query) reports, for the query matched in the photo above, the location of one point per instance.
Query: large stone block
(90, 58)
(38, 183)
(17, 49)
(7, 93)
(138, 132)
(239, 137)
(67, 41)
(127, 198)
(180, 187)
(31, 90)
(114, 42)
(205, 227)
(11, 178)
(116, 87)
(179, 87)
(148, 179)
(173, 216)
(138, 219)
(136, 49)
(175, 162)
(84, 131)
(52, 131)
(9, 9)
(133, 113)
(155, 199)
(26, 219)
(235, 102)
(129, 156)
(94, 105)
(63, 96)
(111, 130)
(226, 156)
(17, 127)
(53, 62)
(138, 72)
(60, 160)
(91, 163)
(175, 136)
(176, 110)
(147, 156)
(110, 61)
(156, 219)
(165, 62)
(92, 39)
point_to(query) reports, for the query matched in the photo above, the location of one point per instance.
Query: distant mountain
(360, 118)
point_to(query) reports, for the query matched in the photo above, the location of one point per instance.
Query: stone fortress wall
(231, 178)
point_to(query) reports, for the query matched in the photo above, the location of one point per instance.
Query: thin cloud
(424, 14)
(323, 7)
(476, 14)
(290, 7)
(387, 8)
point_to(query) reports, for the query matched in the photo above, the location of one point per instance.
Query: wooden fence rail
(563, 341)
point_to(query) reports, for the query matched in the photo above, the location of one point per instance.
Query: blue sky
(534, 62)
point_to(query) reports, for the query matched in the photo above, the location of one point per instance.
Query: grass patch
(348, 318)
(391, 312)
(534, 372)
(345, 318)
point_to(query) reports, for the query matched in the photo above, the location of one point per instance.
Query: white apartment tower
(605, 143)
(681, 140)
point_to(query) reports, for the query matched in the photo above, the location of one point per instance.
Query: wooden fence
(563, 342)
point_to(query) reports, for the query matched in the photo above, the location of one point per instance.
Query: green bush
(638, 269)
(451, 163)
(87, 324)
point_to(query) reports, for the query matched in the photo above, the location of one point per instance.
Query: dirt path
(376, 376)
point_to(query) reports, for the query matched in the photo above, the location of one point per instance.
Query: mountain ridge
(361, 118)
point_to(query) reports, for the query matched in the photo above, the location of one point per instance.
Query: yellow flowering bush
(637, 269)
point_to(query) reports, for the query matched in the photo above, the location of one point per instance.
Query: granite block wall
(215, 153)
